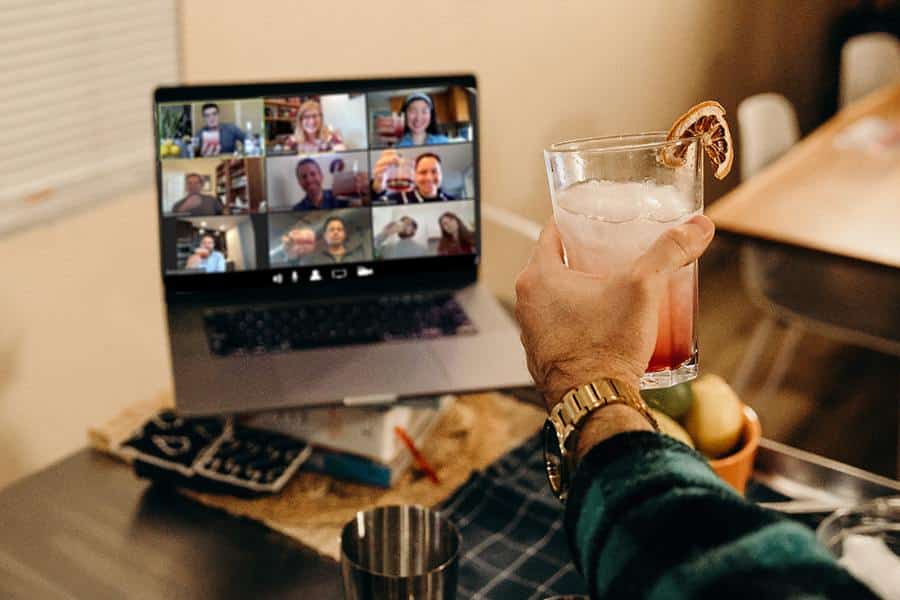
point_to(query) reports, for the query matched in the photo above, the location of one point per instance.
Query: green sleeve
(647, 518)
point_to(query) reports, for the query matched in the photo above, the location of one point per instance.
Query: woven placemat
(313, 507)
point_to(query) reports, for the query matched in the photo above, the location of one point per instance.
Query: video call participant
(215, 137)
(337, 248)
(429, 175)
(456, 238)
(421, 127)
(311, 134)
(309, 176)
(403, 245)
(206, 257)
(296, 245)
(195, 202)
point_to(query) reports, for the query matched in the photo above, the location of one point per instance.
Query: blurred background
(82, 331)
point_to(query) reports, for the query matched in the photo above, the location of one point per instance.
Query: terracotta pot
(736, 468)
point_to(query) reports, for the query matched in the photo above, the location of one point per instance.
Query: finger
(677, 247)
(549, 249)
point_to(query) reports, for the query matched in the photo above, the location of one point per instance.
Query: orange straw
(421, 463)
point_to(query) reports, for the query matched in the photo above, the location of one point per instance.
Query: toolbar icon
(315, 275)
(362, 271)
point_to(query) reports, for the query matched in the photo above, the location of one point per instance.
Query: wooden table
(86, 527)
(841, 202)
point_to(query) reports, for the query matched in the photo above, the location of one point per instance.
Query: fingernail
(705, 224)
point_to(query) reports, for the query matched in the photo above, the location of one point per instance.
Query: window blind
(76, 83)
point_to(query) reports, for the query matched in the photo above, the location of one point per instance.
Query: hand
(578, 327)
(391, 228)
(193, 261)
(388, 157)
(360, 180)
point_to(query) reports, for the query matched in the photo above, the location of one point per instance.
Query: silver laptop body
(210, 382)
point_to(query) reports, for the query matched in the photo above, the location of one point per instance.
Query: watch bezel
(555, 460)
(553, 457)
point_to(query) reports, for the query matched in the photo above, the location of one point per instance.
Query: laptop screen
(305, 184)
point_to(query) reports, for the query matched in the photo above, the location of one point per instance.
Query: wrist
(563, 379)
(605, 423)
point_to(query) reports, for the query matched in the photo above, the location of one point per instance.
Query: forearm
(646, 517)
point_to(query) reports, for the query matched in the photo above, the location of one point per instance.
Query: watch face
(553, 460)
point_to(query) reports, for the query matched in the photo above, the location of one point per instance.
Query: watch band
(576, 404)
(562, 426)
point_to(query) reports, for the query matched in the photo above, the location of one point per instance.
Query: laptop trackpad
(331, 374)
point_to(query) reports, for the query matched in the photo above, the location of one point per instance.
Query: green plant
(172, 122)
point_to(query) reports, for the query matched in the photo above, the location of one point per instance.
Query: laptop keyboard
(334, 323)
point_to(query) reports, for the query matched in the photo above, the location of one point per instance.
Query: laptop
(320, 244)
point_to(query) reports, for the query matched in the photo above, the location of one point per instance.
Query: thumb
(549, 250)
(677, 247)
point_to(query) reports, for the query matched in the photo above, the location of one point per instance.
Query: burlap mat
(313, 507)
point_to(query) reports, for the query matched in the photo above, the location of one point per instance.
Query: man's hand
(578, 327)
(388, 158)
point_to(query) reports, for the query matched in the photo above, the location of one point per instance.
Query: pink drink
(605, 226)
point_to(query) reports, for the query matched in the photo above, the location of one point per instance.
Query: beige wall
(81, 323)
(547, 70)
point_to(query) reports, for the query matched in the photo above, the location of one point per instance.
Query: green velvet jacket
(647, 518)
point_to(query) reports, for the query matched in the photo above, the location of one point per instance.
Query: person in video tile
(337, 248)
(456, 238)
(296, 245)
(421, 126)
(195, 202)
(311, 134)
(215, 137)
(309, 176)
(428, 176)
(206, 258)
(397, 240)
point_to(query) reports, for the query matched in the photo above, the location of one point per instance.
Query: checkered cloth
(514, 543)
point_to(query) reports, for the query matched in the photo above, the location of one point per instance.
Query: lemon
(716, 419)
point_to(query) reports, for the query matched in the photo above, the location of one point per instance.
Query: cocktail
(614, 196)
(400, 176)
(390, 128)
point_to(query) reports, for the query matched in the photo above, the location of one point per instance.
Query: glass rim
(437, 569)
(658, 140)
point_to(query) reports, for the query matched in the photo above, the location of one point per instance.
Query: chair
(868, 62)
(768, 127)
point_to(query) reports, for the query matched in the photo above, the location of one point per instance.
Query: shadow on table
(217, 555)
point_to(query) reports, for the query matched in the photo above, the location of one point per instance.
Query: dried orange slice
(706, 121)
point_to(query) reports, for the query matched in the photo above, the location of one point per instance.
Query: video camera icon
(363, 271)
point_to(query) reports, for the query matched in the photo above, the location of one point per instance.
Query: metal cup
(398, 553)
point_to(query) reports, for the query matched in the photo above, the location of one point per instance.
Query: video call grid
(295, 237)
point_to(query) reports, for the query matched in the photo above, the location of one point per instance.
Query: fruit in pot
(670, 427)
(715, 421)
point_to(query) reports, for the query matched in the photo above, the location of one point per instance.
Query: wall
(547, 70)
(82, 330)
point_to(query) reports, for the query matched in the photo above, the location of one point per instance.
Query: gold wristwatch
(562, 426)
